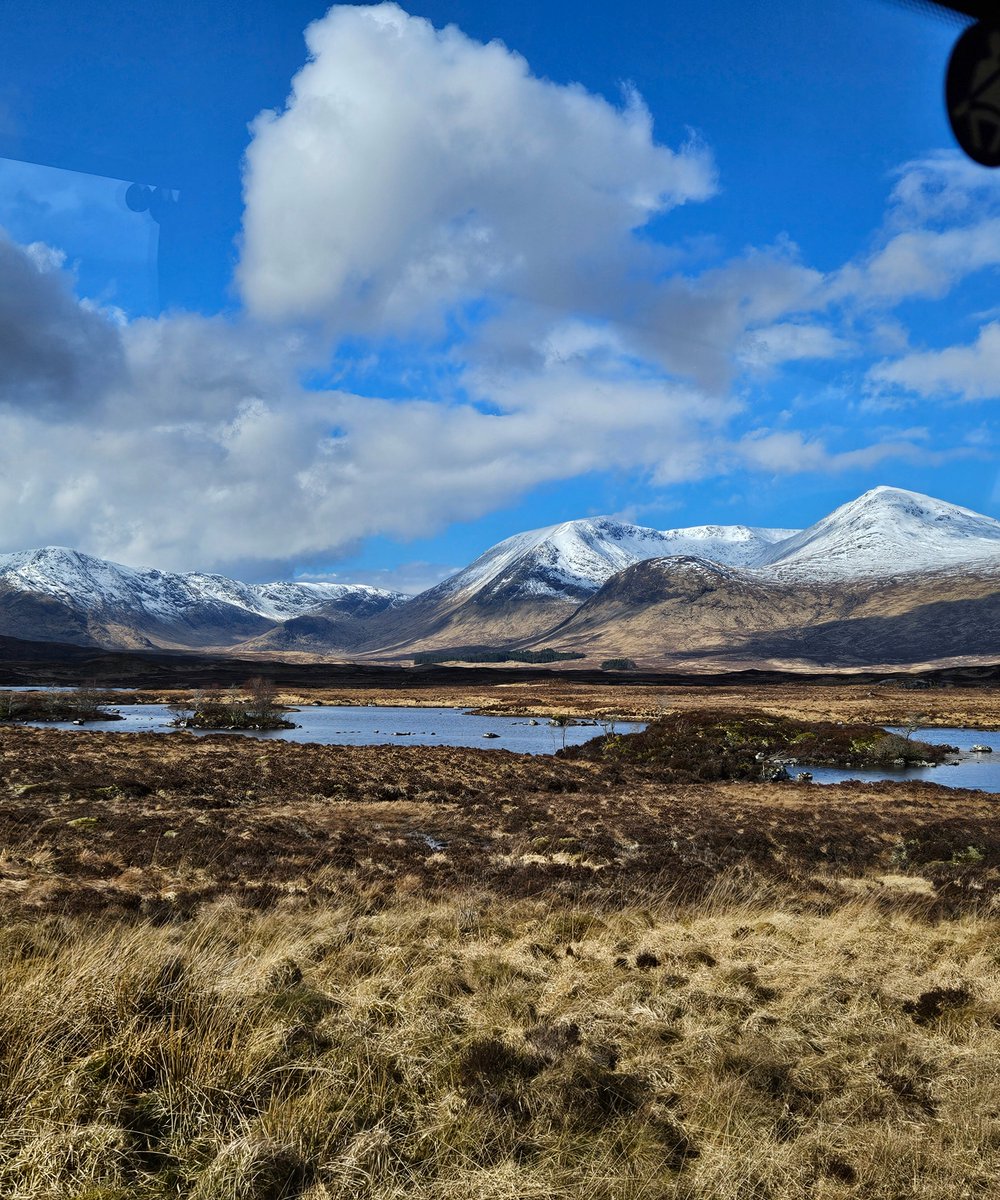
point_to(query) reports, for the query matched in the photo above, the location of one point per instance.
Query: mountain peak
(885, 496)
(888, 531)
(53, 554)
(570, 561)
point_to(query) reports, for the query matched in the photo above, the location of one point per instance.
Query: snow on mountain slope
(283, 601)
(574, 559)
(286, 600)
(89, 584)
(885, 532)
(728, 545)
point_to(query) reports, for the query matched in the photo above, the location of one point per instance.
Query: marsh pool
(359, 725)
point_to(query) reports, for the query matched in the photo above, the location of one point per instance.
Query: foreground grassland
(501, 1049)
(245, 970)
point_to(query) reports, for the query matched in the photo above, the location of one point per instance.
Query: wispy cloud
(970, 372)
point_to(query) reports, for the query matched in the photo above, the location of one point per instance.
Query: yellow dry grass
(501, 1049)
(893, 704)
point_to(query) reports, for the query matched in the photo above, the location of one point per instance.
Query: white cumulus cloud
(415, 169)
(942, 225)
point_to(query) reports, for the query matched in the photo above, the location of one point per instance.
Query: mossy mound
(686, 747)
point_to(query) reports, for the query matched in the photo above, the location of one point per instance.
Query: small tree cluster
(80, 704)
(253, 707)
(262, 703)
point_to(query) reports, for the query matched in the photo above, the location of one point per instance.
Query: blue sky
(688, 263)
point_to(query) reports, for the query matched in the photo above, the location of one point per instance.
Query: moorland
(237, 968)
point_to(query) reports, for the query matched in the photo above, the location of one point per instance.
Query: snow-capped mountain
(887, 532)
(610, 589)
(282, 601)
(893, 576)
(572, 560)
(92, 599)
(528, 583)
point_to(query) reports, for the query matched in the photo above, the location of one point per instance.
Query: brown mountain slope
(439, 618)
(686, 611)
(42, 618)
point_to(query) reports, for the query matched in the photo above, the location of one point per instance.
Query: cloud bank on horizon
(425, 196)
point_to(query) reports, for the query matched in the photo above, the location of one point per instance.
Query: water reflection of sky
(980, 772)
(350, 725)
(361, 725)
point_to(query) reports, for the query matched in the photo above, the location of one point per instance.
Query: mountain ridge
(678, 611)
(574, 558)
(100, 602)
(597, 586)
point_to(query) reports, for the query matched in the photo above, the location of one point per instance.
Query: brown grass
(248, 970)
(131, 823)
(971, 707)
(477, 1048)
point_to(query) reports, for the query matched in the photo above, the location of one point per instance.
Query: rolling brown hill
(674, 611)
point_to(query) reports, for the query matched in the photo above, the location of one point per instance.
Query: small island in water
(753, 745)
(252, 707)
(79, 705)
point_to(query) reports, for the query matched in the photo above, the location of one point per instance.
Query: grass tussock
(480, 1048)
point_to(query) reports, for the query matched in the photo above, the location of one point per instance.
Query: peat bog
(142, 823)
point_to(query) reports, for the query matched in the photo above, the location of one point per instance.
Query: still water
(981, 772)
(349, 725)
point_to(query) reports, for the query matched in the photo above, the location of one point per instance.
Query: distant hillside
(685, 612)
(62, 595)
